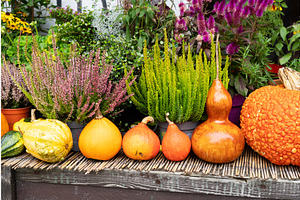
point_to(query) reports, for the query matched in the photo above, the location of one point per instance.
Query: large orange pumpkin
(270, 121)
(100, 139)
(140, 142)
(4, 125)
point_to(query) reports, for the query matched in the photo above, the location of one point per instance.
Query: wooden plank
(48, 191)
(7, 183)
(168, 182)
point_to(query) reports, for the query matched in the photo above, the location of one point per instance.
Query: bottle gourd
(218, 140)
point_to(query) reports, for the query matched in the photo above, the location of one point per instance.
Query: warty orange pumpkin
(270, 121)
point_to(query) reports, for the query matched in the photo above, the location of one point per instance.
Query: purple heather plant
(11, 95)
(236, 22)
(73, 92)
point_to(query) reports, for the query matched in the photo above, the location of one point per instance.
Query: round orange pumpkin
(140, 142)
(4, 125)
(270, 121)
(100, 139)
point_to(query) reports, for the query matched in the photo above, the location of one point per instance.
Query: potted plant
(72, 91)
(175, 84)
(14, 104)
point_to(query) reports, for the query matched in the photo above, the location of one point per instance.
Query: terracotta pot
(14, 115)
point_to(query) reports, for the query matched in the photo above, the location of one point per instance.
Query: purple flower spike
(228, 18)
(259, 12)
(251, 3)
(264, 5)
(206, 37)
(232, 48)
(216, 7)
(211, 24)
(201, 23)
(269, 2)
(221, 8)
(182, 9)
(182, 25)
(181, 4)
(246, 11)
(230, 6)
(242, 2)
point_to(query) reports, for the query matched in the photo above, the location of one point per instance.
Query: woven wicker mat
(248, 165)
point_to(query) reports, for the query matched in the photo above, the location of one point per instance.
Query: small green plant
(174, 85)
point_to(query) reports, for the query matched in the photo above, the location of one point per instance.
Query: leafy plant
(174, 85)
(144, 21)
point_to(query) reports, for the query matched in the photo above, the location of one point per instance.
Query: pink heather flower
(206, 36)
(230, 7)
(191, 12)
(197, 4)
(237, 14)
(246, 11)
(259, 12)
(211, 24)
(228, 18)
(201, 23)
(232, 48)
(221, 8)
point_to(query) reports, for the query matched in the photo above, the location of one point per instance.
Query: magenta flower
(246, 11)
(251, 2)
(228, 18)
(216, 7)
(206, 36)
(240, 29)
(197, 4)
(221, 8)
(182, 24)
(201, 23)
(211, 24)
(231, 6)
(232, 48)
(182, 8)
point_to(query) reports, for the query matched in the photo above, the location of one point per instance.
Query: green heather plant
(176, 85)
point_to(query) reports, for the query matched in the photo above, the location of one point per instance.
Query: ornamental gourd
(176, 145)
(24, 123)
(49, 140)
(100, 139)
(4, 125)
(270, 121)
(140, 142)
(218, 140)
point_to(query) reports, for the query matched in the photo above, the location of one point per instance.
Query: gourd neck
(148, 119)
(98, 114)
(168, 120)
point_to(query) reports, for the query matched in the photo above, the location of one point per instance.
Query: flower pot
(76, 129)
(14, 115)
(186, 127)
(235, 112)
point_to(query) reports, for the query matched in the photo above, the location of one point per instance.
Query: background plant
(74, 27)
(11, 95)
(178, 86)
(144, 20)
(72, 92)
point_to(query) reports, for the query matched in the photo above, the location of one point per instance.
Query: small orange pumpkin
(140, 142)
(100, 139)
(4, 125)
(176, 145)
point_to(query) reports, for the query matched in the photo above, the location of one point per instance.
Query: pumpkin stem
(168, 120)
(33, 115)
(217, 56)
(98, 114)
(148, 119)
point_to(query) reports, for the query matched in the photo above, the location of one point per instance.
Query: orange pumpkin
(176, 145)
(270, 121)
(140, 142)
(100, 139)
(4, 125)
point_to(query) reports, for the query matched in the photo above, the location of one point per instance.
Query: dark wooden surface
(125, 184)
(7, 184)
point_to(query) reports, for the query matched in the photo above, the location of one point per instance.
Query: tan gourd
(176, 145)
(218, 140)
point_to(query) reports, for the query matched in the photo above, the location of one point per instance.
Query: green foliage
(74, 27)
(144, 21)
(177, 85)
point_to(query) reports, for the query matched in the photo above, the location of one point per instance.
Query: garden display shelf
(77, 177)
